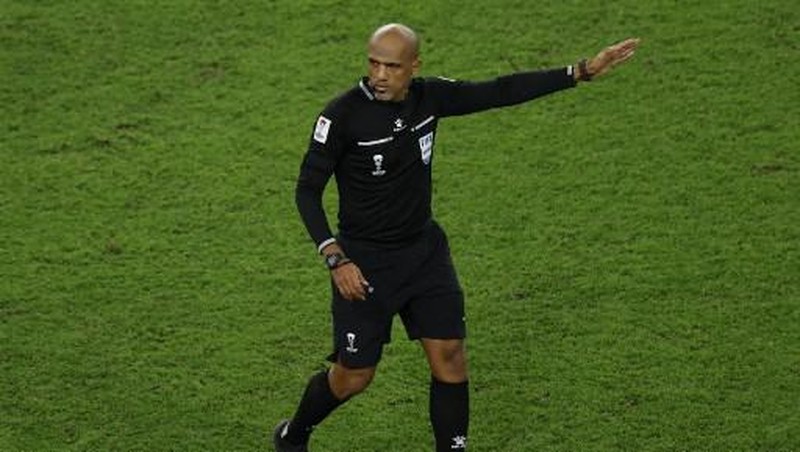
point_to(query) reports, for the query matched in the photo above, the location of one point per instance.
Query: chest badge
(377, 159)
(399, 125)
(426, 147)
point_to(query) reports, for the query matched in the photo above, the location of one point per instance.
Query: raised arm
(461, 97)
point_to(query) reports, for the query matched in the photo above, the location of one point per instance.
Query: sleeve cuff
(324, 244)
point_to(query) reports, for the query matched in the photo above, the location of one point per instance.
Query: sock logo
(351, 343)
(459, 442)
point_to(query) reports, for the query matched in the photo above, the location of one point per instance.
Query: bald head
(398, 32)
(393, 53)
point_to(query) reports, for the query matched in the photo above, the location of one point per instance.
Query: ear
(415, 65)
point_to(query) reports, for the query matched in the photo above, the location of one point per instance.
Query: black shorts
(417, 281)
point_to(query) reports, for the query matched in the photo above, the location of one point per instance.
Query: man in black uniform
(389, 256)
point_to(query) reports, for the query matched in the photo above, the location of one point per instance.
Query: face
(392, 64)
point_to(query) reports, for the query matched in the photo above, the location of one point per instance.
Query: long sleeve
(461, 98)
(315, 171)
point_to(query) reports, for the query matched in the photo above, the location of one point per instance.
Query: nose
(381, 73)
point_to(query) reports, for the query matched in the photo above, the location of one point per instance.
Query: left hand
(612, 56)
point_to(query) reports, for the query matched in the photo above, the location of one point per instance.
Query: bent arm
(314, 175)
(315, 172)
(318, 165)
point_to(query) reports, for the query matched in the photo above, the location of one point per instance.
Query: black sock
(449, 411)
(317, 403)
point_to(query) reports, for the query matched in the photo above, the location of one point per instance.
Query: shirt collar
(366, 89)
(363, 84)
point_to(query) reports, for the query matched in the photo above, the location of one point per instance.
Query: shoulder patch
(446, 79)
(322, 129)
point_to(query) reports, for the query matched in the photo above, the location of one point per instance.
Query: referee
(389, 255)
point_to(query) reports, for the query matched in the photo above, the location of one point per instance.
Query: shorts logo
(426, 147)
(459, 442)
(351, 343)
(378, 160)
(322, 129)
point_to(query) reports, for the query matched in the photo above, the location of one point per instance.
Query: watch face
(332, 260)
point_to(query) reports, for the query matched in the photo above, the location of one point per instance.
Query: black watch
(335, 260)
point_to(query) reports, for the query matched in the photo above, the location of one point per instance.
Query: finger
(345, 291)
(361, 283)
(626, 55)
(622, 54)
(354, 285)
(354, 293)
(624, 46)
(343, 285)
(364, 283)
(359, 292)
(630, 42)
(630, 46)
(351, 283)
(367, 287)
(345, 294)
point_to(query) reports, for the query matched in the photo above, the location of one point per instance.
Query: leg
(325, 392)
(447, 359)
(449, 392)
(360, 329)
(346, 382)
(358, 343)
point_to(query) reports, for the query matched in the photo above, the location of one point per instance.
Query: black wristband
(585, 76)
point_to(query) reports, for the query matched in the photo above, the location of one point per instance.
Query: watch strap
(336, 260)
(585, 76)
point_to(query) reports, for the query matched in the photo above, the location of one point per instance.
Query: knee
(346, 383)
(454, 368)
(448, 361)
(453, 354)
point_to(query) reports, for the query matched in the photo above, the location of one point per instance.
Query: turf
(630, 249)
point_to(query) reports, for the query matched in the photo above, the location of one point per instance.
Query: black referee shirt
(381, 152)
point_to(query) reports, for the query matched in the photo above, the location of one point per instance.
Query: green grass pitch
(630, 249)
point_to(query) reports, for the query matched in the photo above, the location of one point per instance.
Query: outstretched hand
(612, 56)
